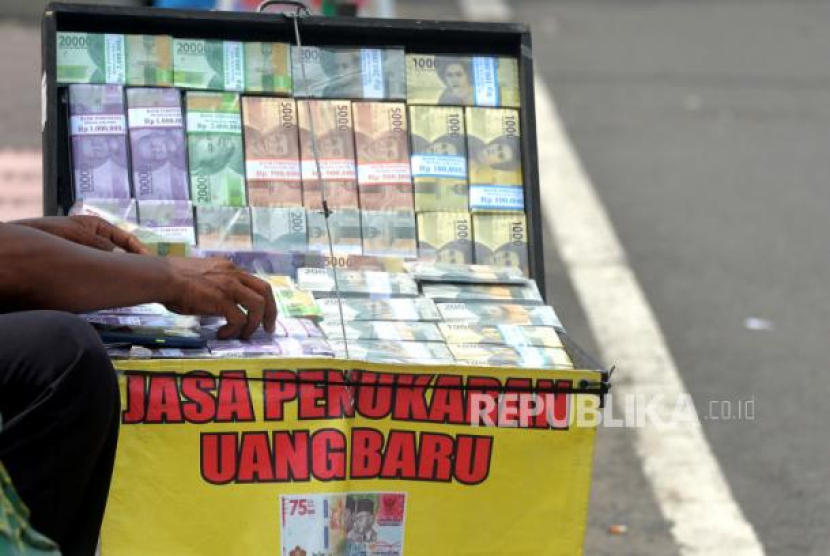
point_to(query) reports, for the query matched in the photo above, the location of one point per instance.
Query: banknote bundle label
(279, 229)
(439, 158)
(333, 144)
(384, 330)
(383, 351)
(343, 524)
(98, 128)
(499, 313)
(272, 152)
(170, 221)
(507, 334)
(122, 213)
(344, 225)
(168, 248)
(223, 227)
(464, 273)
(360, 73)
(215, 154)
(446, 237)
(149, 60)
(157, 144)
(208, 64)
(357, 282)
(91, 58)
(462, 80)
(527, 294)
(501, 240)
(495, 160)
(383, 173)
(389, 233)
(396, 309)
(267, 68)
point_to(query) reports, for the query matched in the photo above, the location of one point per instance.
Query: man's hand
(90, 231)
(216, 287)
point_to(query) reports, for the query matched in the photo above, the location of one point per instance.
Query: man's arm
(41, 271)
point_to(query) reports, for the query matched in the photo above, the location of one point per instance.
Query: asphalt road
(705, 128)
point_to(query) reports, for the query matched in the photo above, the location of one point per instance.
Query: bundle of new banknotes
(235, 145)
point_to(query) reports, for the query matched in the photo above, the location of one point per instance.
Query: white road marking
(688, 483)
(485, 10)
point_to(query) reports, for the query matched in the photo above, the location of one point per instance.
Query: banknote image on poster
(383, 174)
(272, 152)
(343, 524)
(358, 73)
(267, 68)
(157, 144)
(214, 149)
(462, 80)
(91, 58)
(98, 130)
(495, 160)
(149, 60)
(332, 142)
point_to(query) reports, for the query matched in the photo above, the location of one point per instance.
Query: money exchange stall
(420, 395)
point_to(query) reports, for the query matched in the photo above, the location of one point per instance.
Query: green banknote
(208, 64)
(214, 142)
(445, 237)
(279, 229)
(501, 240)
(226, 228)
(149, 60)
(344, 225)
(499, 313)
(495, 160)
(384, 330)
(389, 233)
(353, 73)
(506, 334)
(426, 271)
(395, 309)
(367, 283)
(268, 68)
(91, 58)
(439, 158)
(293, 303)
(499, 356)
(525, 294)
(427, 353)
(462, 80)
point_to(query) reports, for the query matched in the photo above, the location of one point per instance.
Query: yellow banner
(322, 457)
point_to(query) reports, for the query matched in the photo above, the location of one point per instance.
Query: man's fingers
(263, 289)
(95, 241)
(125, 240)
(235, 318)
(253, 303)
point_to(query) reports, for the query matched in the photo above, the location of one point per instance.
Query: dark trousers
(60, 410)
